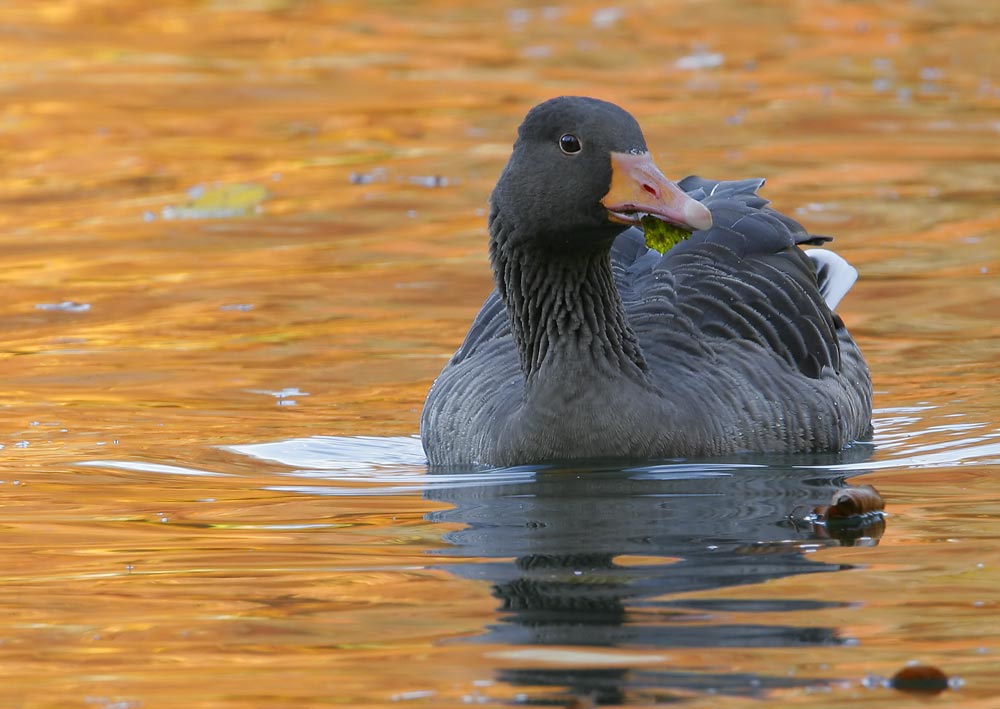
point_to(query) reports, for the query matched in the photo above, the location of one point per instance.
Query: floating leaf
(239, 196)
(662, 236)
(218, 202)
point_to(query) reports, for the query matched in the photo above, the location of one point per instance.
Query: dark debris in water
(922, 679)
(379, 174)
(367, 178)
(851, 502)
(429, 180)
(855, 515)
(587, 701)
(915, 678)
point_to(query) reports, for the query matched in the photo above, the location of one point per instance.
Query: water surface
(239, 241)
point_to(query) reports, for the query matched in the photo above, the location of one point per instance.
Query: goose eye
(570, 144)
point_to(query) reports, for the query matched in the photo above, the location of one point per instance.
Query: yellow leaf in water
(219, 202)
(235, 198)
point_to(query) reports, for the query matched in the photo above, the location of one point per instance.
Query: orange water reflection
(376, 131)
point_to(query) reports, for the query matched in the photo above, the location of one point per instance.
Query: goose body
(593, 346)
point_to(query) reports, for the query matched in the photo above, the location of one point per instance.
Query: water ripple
(374, 465)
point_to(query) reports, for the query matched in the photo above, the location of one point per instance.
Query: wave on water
(396, 464)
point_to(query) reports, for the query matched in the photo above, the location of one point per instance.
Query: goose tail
(834, 275)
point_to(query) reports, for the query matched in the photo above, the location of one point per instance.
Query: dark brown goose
(593, 347)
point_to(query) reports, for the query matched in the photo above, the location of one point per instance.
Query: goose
(593, 347)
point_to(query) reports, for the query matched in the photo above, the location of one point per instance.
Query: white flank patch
(834, 274)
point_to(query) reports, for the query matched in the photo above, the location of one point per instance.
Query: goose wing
(743, 279)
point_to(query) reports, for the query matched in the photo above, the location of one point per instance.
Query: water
(240, 239)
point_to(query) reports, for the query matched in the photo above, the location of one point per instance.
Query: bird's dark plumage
(595, 347)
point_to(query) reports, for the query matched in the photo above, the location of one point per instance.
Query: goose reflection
(601, 556)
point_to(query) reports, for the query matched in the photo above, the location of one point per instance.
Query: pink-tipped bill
(639, 188)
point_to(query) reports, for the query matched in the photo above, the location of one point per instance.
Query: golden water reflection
(234, 222)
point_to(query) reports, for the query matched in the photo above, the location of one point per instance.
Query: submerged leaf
(662, 236)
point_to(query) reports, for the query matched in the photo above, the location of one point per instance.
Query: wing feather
(745, 278)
